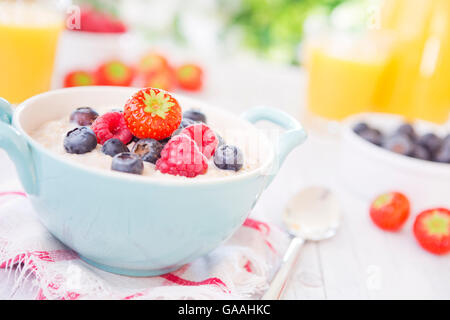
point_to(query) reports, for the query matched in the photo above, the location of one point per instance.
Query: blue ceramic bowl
(129, 224)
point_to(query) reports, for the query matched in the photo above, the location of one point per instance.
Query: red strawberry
(390, 211)
(152, 113)
(190, 77)
(114, 73)
(182, 157)
(152, 62)
(432, 230)
(92, 20)
(163, 79)
(204, 137)
(111, 125)
(79, 78)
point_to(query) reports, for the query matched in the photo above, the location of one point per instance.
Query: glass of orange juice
(344, 72)
(29, 32)
(417, 77)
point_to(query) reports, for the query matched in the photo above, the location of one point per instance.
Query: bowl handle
(294, 135)
(17, 148)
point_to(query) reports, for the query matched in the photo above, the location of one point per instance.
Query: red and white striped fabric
(239, 269)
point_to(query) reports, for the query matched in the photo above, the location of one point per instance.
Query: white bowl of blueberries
(382, 152)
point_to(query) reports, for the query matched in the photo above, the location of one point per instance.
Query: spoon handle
(279, 281)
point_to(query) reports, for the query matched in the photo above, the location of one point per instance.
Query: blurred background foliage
(275, 27)
(272, 29)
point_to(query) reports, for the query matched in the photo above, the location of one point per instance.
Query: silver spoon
(311, 215)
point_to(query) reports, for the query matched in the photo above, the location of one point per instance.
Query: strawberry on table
(152, 62)
(115, 73)
(79, 78)
(190, 77)
(432, 230)
(152, 113)
(163, 79)
(390, 211)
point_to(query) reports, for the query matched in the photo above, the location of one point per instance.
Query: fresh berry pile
(431, 228)
(405, 141)
(153, 70)
(158, 133)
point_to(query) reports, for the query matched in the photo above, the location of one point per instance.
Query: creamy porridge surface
(51, 135)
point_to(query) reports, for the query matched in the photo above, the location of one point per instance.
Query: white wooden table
(360, 262)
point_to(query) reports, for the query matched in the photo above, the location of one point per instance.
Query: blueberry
(163, 142)
(194, 115)
(408, 130)
(430, 141)
(80, 140)
(134, 139)
(399, 143)
(360, 127)
(444, 154)
(148, 149)
(446, 141)
(186, 123)
(420, 152)
(229, 158)
(373, 136)
(113, 147)
(84, 116)
(127, 162)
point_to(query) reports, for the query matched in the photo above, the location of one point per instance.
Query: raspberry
(111, 125)
(182, 157)
(204, 137)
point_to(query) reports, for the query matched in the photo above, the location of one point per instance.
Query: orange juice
(415, 82)
(408, 72)
(343, 78)
(28, 37)
(432, 91)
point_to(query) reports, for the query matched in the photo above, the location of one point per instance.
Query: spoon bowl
(313, 214)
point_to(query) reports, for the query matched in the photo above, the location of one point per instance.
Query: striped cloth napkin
(238, 269)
